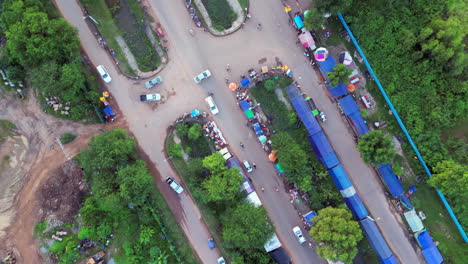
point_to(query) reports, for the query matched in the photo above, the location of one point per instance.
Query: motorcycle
(323, 117)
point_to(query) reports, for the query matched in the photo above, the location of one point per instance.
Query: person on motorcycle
(228, 67)
(259, 26)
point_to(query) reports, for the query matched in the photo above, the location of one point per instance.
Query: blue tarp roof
(258, 129)
(340, 178)
(425, 240)
(390, 180)
(348, 105)
(356, 206)
(432, 255)
(375, 238)
(298, 21)
(108, 111)
(406, 202)
(305, 114)
(292, 91)
(327, 65)
(359, 123)
(323, 149)
(390, 260)
(338, 91)
(245, 105)
(244, 82)
(309, 216)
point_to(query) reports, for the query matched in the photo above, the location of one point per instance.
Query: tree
(146, 233)
(313, 19)
(214, 163)
(337, 234)
(223, 186)
(246, 226)
(376, 148)
(270, 85)
(451, 178)
(195, 132)
(135, 182)
(333, 6)
(340, 74)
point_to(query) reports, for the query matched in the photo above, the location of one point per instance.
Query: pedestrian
(254, 166)
(277, 189)
(242, 145)
(247, 123)
(263, 189)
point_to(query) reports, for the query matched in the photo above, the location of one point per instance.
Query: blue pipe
(397, 117)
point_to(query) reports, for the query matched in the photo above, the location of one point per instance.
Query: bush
(220, 13)
(284, 81)
(174, 151)
(270, 85)
(195, 132)
(67, 138)
(39, 228)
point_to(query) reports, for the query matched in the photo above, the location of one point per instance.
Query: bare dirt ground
(34, 156)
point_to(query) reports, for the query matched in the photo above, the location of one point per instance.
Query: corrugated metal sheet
(348, 105)
(391, 180)
(432, 255)
(375, 239)
(340, 178)
(359, 123)
(356, 206)
(323, 149)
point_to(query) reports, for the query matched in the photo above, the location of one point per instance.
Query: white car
(247, 166)
(174, 185)
(150, 97)
(221, 260)
(104, 75)
(202, 76)
(211, 104)
(297, 231)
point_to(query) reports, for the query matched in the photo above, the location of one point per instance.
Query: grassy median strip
(221, 13)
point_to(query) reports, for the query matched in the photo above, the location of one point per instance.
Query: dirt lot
(33, 157)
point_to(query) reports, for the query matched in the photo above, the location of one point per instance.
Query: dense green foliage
(313, 19)
(67, 138)
(121, 201)
(221, 13)
(294, 149)
(417, 50)
(49, 48)
(205, 178)
(376, 148)
(270, 85)
(337, 234)
(340, 74)
(451, 179)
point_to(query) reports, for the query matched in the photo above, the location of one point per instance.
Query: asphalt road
(242, 50)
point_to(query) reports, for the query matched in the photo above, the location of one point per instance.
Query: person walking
(254, 165)
(263, 189)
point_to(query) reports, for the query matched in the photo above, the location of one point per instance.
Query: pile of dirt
(63, 193)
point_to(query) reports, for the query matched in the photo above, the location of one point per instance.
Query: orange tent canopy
(272, 156)
(232, 86)
(351, 87)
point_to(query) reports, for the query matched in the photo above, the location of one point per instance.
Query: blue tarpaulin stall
(323, 149)
(358, 122)
(348, 105)
(425, 240)
(375, 238)
(309, 216)
(390, 260)
(338, 91)
(356, 206)
(108, 111)
(327, 65)
(391, 180)
(432, 255)
(298, 21)
(245, 105)
(406, 202)
(245, 82)
(340, 178)
(258, 129)
(305, 115)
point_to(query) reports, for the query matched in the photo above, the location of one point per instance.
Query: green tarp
(249, 113)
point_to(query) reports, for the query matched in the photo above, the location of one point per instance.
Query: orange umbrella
(272, 156)
(105, 94)
(351, 87)
(232, 86)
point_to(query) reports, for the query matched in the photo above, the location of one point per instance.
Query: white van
(211, 104)
(103, 72)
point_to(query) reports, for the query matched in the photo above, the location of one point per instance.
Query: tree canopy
(339, 75)
(246, 226)
(337, 234)
(376, 148)
(313, 19)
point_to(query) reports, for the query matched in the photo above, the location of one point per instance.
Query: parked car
(149, 84)
(104, 74)
(192, 12)
(200, 77)
(211, 104)
(174, 185)
(187, 3)
(197, 21)
(211, 243)
(150, 97)
(247, 166)
(221, 260)
(298, 233)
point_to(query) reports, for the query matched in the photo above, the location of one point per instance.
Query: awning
(345, 58)
(279, 168)
(414, 221)
(196, 112)
(272, 156)
(262, 139)
(249, 114)
(298, 21)
(245, 82)
(307, 40)
(258, 129)
(321, 54)
(245, 105)
(108, 111)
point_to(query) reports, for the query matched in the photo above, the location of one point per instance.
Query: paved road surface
(242, 50)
